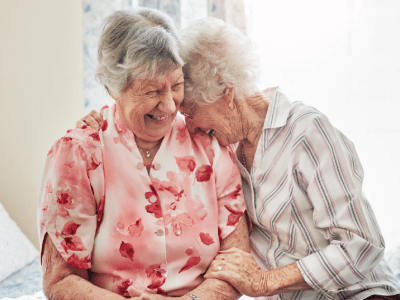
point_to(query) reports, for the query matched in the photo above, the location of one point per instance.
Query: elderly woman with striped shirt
(314, 233)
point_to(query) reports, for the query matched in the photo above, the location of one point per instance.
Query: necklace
(147, 151)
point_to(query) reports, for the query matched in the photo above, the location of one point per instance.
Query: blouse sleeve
(331, 175)
(231, 204)
(67, 208)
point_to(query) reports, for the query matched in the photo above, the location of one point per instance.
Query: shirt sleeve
(67, 208)
(231, 204)
(331, 176)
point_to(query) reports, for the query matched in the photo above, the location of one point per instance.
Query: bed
(20, 270)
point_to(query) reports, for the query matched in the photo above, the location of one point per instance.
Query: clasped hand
(241, 270)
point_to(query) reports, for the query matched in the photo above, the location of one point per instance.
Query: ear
(229, 94)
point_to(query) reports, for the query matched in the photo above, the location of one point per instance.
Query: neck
(147, 145)
(253, 111)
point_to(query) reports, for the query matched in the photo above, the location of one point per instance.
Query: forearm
(283, 280)
(76, 287)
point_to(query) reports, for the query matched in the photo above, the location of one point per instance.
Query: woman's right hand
(93, 120)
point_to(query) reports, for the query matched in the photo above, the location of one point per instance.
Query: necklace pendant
(147, 153)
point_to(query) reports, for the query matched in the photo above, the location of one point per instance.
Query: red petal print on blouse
(49, 187)
(94, 162)
(70, 228)
(123, 288)
(116, 140)
(64, 200)
(194, 260)
(79, 263)
(126, 250)
(73, 243)
(100, 211)
(161, 292)
(236, 192)
(189, 251)
(66, 139)
(176, 227)
(153, 207)
(206, 238)
(203, 173)
(154, 273)
(136, 229)
(95, 136)
(219, 234)
(157, 280)
(185, 219)
(150, 269)
(104, 125)
(186, 163)
(234, 217)
(181, 137)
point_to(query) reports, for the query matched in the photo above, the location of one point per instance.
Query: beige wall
(41, 94)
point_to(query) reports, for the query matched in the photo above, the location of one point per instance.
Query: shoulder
(78, 144)
(305, 117)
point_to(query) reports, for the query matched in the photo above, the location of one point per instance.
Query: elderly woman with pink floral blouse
(138, 208)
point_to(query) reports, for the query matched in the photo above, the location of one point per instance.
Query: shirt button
(153, 199)
(140, 166)
(160, 232)
(157, 166)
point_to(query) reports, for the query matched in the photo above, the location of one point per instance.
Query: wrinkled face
(148, 107)
(212, 119)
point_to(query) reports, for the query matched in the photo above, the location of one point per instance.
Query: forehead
(167, 79)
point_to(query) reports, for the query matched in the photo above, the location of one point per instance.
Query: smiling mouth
(157, 118)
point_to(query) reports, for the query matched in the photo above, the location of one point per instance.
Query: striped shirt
(304, 195)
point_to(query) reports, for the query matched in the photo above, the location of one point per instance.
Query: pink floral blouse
(158, 233)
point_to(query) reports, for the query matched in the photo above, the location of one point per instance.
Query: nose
(167, 103)
(192, 128)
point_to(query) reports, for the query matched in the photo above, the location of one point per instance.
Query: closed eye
(178, 86)
(152, 93)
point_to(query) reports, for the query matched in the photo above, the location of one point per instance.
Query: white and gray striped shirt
(304, 195)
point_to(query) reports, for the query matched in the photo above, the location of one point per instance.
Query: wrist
(269, 285)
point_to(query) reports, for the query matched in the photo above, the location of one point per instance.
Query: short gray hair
(137, 44)
(217, 56)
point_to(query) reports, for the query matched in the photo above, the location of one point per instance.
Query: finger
(91, 122)
(144, 297)
(81, 124)
(96, 116)
(225, 276)
(223, 256)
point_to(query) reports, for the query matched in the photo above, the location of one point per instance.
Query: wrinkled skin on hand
(241, 270)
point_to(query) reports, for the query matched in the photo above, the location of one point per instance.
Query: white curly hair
(218, 56)
(136, 44)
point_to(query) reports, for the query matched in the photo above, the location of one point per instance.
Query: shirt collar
(278, 109)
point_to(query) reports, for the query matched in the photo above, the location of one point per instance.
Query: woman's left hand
(241, 270)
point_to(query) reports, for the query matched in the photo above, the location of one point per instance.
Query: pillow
(16, 251)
